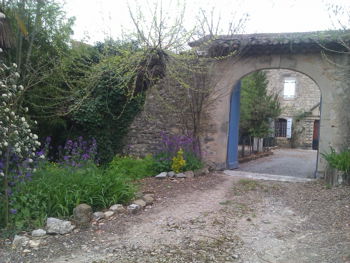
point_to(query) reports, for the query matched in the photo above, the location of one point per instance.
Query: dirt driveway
(214, 218)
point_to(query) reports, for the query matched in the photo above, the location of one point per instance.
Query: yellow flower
(178, 162)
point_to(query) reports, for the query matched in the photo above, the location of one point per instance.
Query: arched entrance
(296, 51)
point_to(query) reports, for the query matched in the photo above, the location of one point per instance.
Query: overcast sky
(98, 19)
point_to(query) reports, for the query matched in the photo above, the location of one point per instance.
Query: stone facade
(303, 108)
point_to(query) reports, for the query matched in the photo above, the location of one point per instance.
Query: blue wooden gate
(233, 131)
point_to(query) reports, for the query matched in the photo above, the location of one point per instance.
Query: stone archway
(277, 51)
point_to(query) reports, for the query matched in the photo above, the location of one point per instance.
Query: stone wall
(144, 134)
(177, 105)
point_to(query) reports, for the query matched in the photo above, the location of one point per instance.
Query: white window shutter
(289, 127)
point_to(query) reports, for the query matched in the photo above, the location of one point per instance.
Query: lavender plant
(76, 153)
(171, 145)
(18, 144)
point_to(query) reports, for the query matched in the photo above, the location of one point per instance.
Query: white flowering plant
(18, 144)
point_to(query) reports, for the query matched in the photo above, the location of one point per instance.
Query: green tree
(41, 35)
(258, 107)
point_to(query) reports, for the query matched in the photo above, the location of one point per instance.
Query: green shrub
(132, 168)
(192, 162)
(339, 161)
(55, 190)
(162, 162)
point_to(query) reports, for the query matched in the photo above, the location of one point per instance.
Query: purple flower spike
(13, 211)
(85, 156)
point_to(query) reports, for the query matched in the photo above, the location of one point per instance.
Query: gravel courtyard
(291, 162)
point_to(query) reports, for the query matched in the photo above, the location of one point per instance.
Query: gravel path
(214, 218)
(291, 162)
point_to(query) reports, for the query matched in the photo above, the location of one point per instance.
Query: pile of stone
(82, 218)
(187, 174)
(137, 205)
(53, 226)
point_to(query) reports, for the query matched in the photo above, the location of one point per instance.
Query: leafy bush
(132, 168)
(56, 189)
(162, 162)
(339, 161)
(192, 162)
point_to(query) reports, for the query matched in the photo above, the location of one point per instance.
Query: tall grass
(55, 190)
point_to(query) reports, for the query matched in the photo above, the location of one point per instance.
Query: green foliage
(55, 190)
(339, 161)
(96, 96)
(192, 162)
(257, 106)
(41, 34)
(178, 162)
(162, 162)
(132, 168)
(73, 89)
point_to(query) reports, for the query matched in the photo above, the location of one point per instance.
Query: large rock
(118, 208)
(148, 198)
(180, 175)
(98, 216)
(133, 208)
(34, 243)
(200, 172)
(58, 226)
(38, 233)
(139, 202)
(108, 214)
(20, 241)
(162, 175)
(189, 174)
(82, 215)
(171, 174)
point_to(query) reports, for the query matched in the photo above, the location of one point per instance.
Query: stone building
(298, 124)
